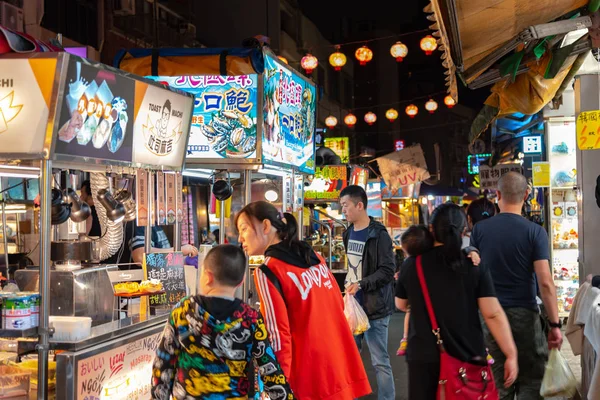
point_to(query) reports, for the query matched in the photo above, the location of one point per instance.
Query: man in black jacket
(371, 280)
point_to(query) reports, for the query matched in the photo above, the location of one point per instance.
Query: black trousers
(423, 380)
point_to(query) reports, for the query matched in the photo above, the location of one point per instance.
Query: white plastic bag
(559, 380)
(355, 315)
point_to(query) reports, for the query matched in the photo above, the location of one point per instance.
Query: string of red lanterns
(364, 55)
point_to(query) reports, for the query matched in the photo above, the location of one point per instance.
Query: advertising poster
(141, 197)
(97, 114)
(374, 195)
(224, 117)
(359, 176)
(289, 117)
(327, 184)
(541, 174)
(404, 167)
(340, 146)
(25, 91)
(162, 121)
(161, 203)
(170, 182)
(588, 130)
(120, 373)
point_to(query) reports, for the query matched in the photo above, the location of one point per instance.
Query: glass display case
(564, 222)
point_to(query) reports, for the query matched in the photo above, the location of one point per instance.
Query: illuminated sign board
(473, 162)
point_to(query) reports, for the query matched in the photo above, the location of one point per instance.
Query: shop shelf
(16, 333)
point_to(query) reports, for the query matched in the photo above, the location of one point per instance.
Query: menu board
(327, 184)
(97, 113)
(167, 268)
(225, 114)
(288, 117)
(121, 373)
(25, 93)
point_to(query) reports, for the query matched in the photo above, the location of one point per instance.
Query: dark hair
(167, 105)
(449, 222)
(217, 233)
(356, 193)
(86, 187)
(228, 264)
(286, 230)
(416, 240)
(480, 210)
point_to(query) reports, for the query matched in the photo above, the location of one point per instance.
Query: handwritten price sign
(167, 268)
(588, 130)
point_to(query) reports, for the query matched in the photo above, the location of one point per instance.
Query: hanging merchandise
(170, 183)
(141, 197)
(161, 203)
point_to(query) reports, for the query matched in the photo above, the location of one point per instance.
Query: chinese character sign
(588, 130)
(340, 146)
(489, 176)
(224, 119)
(327, 184)
(289, 117)
(168, 269)
(404, 167)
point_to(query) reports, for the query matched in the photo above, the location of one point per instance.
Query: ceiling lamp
(80, 210)
(309, 63)
(412, 110)
(428, 44)
(449, 101)
(370, 118)
(350, 120)
(283, 59)
(331, 121)
(431, 106)
(399, 51)
(391, 114)
(364, 55)
(337, 59)
(115, 211)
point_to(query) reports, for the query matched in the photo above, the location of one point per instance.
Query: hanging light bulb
(431, 106)
(370, 118)
(449, 101)
(350, 120)
(309, 63)
(331, 121)
(283, 59)
(412, 110)
(364, 55)
(391, 114)
(428, 44)
(337, 59)
(399, 51)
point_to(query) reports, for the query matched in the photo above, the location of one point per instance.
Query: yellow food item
(127, 288)
(151, 286)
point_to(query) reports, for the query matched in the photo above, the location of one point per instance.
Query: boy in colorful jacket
(211, 339)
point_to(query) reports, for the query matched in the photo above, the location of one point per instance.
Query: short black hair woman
(459, 291)
(303, 308)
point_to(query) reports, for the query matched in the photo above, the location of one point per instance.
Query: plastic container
(16, 312)
(71, 329)
(14, 382)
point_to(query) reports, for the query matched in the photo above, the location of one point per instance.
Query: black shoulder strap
(273, 278)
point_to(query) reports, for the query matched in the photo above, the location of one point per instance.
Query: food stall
(63, 114)
(254, 117)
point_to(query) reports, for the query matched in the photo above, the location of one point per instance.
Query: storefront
(68, 115)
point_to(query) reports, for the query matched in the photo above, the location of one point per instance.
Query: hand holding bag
(459, 380)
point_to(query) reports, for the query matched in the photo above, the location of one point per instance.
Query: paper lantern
(431, 106)
(331, 121)
(399, 51)
(350, 120)
(309, 63)
(370, 118)
(449, 101)
(412, 110)
(364, 55)
(391, 114)
(428, 44)
(283, 59)
(337, 59)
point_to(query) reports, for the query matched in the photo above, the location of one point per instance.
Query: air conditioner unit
(125, 7)
(11, 16)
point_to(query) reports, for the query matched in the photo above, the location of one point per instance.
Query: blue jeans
(377, 340)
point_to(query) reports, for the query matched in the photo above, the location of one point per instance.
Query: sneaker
(402, 349)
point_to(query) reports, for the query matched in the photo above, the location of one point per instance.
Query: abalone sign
(96, 117)
(224, 119)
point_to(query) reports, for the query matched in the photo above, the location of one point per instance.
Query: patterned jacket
(200, 357)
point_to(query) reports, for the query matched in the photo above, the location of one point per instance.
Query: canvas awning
(474, 35)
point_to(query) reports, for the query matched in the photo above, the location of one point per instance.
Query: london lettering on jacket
(316, 275)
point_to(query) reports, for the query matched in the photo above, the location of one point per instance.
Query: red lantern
(428, 44)
(370, 118)
(337, 59)
(391, 114)
(412, 110)
(331, 121)
(350, 120)
(431, 106)
(364, 55)
(309, 63)
(449, 101)
(399, 51)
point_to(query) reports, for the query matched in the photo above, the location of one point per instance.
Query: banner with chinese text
(489, 176)
(588, 130)
(340, 146)
(327, 184)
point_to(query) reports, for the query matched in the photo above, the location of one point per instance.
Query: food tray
(139, 294)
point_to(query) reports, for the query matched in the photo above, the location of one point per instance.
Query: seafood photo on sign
(230, 134)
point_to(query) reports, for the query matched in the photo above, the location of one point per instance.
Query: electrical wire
(14, 186)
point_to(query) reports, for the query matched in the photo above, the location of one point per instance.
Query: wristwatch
(555, 325)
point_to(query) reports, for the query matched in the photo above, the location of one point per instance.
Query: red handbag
(459, 380)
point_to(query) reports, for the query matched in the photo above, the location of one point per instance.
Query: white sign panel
(490, 176)
(404, 167)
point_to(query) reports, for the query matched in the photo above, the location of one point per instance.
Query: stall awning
(474, 35)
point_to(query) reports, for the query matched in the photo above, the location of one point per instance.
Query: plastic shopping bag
(355, 315)
(559, 380)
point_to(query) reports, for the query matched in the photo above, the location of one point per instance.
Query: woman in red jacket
(302, 307)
